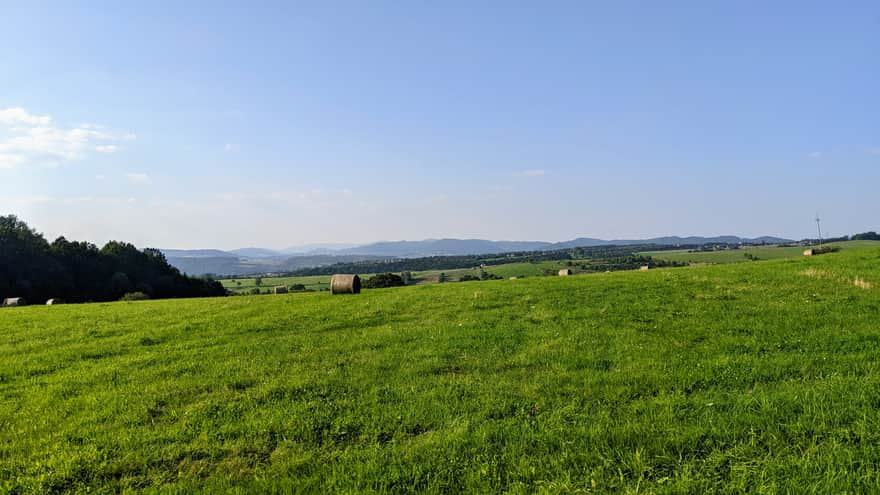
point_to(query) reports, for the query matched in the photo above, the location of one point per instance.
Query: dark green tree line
(37, 270)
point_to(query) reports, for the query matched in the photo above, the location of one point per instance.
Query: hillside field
(739, 255)
(319, 282)
(313, 282)
(741, 378)
(505, 270)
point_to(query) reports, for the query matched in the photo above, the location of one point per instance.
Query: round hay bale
(565, 272)
(14, 301)
(54, 302)
(345, 284)
(280, 289)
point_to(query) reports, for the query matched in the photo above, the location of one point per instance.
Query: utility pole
(819, 228)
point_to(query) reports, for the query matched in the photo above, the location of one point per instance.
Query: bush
(825, 250)
(383, 280)
(866, 236)
(135, 296)
(468, 278)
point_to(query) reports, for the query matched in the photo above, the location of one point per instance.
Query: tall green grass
(747, 378)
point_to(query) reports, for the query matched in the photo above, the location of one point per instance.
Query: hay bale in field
(54, 302)
(808, 252)
(280, 289)
(644, 268)
(513, 278)
(565, 272)
(345, 284)
(14, 301)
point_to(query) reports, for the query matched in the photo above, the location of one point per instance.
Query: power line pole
(819, 228)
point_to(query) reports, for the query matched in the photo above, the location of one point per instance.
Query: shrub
(825, 250)
(135, 296)
(383, 280)
(866, 236)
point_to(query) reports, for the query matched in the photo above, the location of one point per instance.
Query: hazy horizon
(205, 126)
(332, 246)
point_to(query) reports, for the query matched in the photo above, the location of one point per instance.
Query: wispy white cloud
(230, 147)
(874, 151)
(531, 173)
(304, 198)
(10, 160)
(18, 116)
(139, 178)
(28, 139)
(815, 154)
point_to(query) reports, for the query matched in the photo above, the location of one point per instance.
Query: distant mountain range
(253, 260)
(255, 253)
(453, 247)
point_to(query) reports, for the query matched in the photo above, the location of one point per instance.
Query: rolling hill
(247, 261)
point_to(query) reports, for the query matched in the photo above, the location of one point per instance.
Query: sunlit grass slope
(740, 255)
(757, 377)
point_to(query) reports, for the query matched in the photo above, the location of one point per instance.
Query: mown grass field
(319, 282)
(739, 255)
(316, 282)
(506, 270)
(740, 378)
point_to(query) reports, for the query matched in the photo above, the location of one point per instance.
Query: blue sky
(282, 124)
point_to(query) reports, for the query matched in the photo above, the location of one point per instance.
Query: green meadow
(755, 377)
(507, 270)
(313, 282)
(539, 269)
(320, 282)
(739, 255)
